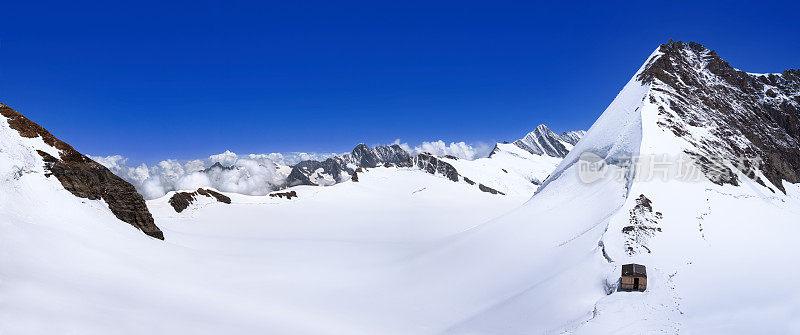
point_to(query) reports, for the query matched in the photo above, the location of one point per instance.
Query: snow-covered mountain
(690, 171)
(543, 141)
(340, 168)
(540, 151)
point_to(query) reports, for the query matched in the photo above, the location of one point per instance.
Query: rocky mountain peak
(751, 117)
(543, 141)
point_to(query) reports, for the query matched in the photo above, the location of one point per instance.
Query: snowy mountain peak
(543, 141)
(542, 129)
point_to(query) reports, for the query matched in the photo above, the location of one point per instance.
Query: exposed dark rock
(302, 172)
(504, 170)
(642, 225)
(339, 167)
(181, 200)
(469, 181)
(496, 149)
(287, 195)
(217, 165)
(755, 118)
(433, 165)
(354, 177)
(451, 157)
(488, 189)
(219, 196)
(85, 178)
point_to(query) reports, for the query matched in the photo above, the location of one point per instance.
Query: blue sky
(155, 80)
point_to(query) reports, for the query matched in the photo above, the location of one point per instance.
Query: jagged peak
(753, 115)
(360, 147)
(542, 128)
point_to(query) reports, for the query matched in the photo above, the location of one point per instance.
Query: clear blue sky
(153, 80)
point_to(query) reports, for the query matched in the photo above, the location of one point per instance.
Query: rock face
(488, 189)
(433, 165)
(181, 200)
(86, 178)
(752, 118)
(340, 168)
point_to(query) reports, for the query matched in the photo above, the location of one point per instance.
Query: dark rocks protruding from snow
(751, 116)
(337, 169)
(642, 225)
(429, 163)
(354, 178)
(85, 178)
(314, 172)
(181, 200)
(488, 189)
(287, 195)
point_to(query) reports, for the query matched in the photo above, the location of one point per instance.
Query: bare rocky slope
(84, 177)
(753, 118)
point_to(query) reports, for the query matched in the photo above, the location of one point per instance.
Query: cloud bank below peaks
(460, 150)
(253, 174)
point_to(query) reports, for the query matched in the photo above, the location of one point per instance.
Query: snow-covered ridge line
(259, 174)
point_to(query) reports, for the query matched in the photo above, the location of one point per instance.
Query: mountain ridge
(85, 178)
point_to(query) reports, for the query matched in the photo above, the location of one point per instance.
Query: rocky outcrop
(181, 200)
(488, 189)
(85, 178)
(752, 118)
(642, 225)
(429, 163)
(287, 195)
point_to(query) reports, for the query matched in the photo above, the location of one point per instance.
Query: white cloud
(460, 150)
(253, 174)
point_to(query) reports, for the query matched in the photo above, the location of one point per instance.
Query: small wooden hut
(634, 277)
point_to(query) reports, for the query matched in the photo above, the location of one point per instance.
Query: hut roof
(634, 270)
